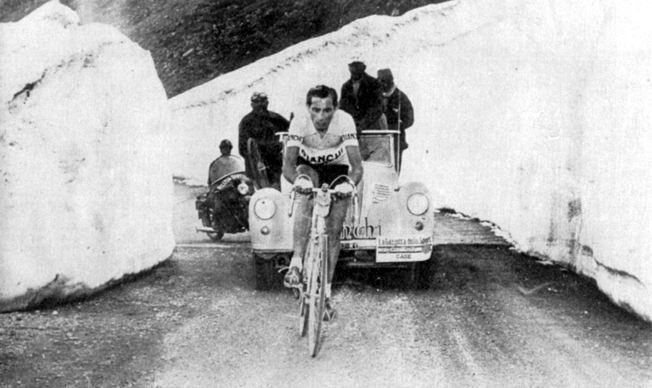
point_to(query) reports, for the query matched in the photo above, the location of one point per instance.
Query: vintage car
(393, 227)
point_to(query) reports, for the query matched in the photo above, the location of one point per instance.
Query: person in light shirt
(323, 145)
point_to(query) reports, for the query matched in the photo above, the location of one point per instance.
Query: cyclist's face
(321, 112)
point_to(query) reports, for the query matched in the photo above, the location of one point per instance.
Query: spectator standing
(262, 125)
(360, 97)
(396, 107)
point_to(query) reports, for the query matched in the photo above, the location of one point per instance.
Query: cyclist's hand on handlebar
(344, 190)
(303, 186)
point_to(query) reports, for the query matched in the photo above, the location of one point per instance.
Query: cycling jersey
(329, 149)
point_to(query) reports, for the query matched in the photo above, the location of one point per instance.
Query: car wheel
(265, 275)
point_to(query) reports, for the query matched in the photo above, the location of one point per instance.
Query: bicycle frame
(315, 269)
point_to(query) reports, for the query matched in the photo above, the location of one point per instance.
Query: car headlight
(417, 204)
(243, 188)
(264, 208)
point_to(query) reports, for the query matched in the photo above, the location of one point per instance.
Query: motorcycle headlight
(243, 188)
(417, 204)
(264, 208)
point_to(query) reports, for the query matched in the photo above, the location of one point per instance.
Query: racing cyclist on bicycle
(322, 145)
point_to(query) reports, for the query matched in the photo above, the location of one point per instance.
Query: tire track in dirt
(549, 346)
(250, 339)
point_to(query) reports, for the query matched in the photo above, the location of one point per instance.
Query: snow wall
(86, 184)
(533, 115)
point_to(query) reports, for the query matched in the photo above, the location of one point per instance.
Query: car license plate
(397, 249)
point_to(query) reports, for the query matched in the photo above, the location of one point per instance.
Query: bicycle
(311, 294)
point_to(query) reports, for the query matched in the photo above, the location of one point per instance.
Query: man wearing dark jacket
(263, 125)
(396, 107)
(360, 97)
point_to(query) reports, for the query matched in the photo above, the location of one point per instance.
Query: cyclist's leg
(334, 225)
(335, 219)
(302, 218)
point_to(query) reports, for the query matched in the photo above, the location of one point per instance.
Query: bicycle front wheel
(317, 295)
(304, 295)
(304, 307)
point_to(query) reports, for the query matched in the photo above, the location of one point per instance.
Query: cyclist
(323, 145)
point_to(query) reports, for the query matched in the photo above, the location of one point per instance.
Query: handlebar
(325, 188)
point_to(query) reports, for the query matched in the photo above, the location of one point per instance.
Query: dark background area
(194, 41)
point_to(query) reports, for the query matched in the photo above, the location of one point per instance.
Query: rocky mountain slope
(194, 41)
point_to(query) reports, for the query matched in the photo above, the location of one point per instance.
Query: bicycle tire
(304, 306)
(257, 167)
(317, 295)
(303, 315)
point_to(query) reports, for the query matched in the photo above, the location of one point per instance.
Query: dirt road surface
(491, 317)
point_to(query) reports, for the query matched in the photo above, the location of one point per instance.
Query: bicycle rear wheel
(317, 295)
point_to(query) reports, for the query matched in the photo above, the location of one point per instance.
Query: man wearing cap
(360, 97)
(214, 170)
(396, 107)
(263, 125)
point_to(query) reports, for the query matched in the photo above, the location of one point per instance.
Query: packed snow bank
(533, 115)
(86, 185)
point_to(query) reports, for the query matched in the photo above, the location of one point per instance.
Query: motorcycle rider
(262, 125)
(216, 171)
(323, 145)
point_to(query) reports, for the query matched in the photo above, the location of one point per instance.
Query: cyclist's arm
(290, 163)
(355, 160)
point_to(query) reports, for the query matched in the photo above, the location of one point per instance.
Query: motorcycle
(224, 208)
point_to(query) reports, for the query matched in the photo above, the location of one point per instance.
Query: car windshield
(224, 166)
(376, 148)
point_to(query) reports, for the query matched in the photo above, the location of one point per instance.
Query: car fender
(273, 234)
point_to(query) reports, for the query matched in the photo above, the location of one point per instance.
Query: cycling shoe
(292, 278)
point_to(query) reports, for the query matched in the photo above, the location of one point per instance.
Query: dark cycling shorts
(327, 172)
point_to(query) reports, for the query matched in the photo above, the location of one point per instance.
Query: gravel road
(491, 317)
